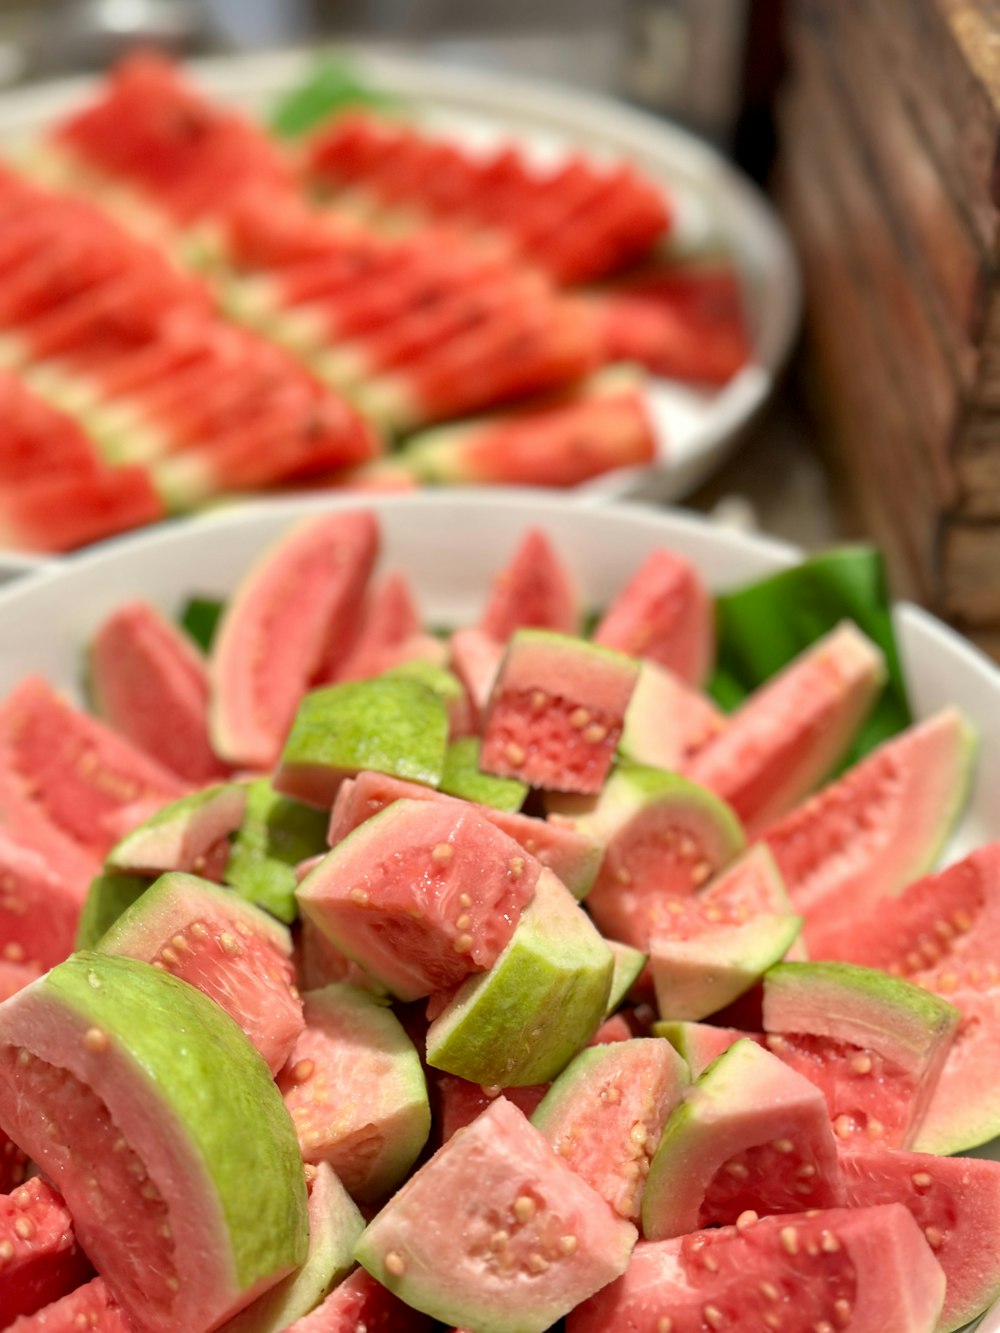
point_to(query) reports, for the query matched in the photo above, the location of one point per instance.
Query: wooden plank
(970, 572)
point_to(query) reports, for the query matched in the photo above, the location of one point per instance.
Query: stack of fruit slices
(486, 979)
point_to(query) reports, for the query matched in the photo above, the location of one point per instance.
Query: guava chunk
(108, 896)
(460, 1102)
(183, 834)
(42, 1260)
(556, 712)
(534, 590)
(39, 906)
(133, 1092)
(464, 778)
(475, 658)
(699, 1044)
(964, 1106)
(359, 1302)
(667, 721)
(496, 1232)
(389, 617)
(88, 1307)
(276, 833)
(628, 966)
(421, 895)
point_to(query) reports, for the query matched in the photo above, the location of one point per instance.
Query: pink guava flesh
(42, 1260)
(39, 908)
(359, 1302)
(534, 591)
(91, 1308)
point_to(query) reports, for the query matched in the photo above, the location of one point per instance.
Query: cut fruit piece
(667, 721)
(42, 1261)
(533, 591)
(605, 1113)
(475, 659)
(88, 1307)
(664, 839)
(320, 963)
(335, 1226)
(355, 1090)
(360, 1302)
(460, 1102)
(149, 682)
(421, 895)
(276, 834)
(388, 618)
(628, 966)
(301, 599)
(14, 977)
(236, 955)
(462, 777)
(751, 1134)
(496, 1232)
(39, 907)
(663, 613)
(865, 1270)
(701, 1044)
(392, 725)
(879, 827)
(440, 681)
(540, 1002)
(956, 1203)
(183, 834)
(875, 1045)
(150, 1087)
(791, 732)
(54, 514)
(964, 1108)
(108, 896)
(556, 712)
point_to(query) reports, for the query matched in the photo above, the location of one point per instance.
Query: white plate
(715, 204)
(450, 545)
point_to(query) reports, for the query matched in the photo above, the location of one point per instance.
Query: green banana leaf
(331, 86)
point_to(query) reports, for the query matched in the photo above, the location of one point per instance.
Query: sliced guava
(496, 1232)
(355, 1088)
(700, 1044)
(790, 733)
(14, 977)
(664, 838)
(41, 1259)
(964, 1107)
(108, 896)
(667, 721)
(236, 955)
(448, 688)
(335, 1225)
(956, 1203)
(293, 614)
(275, 835)
(543, 998)
(866, 1270)
(133, 1092)
(319, 963)
(420, 895)
(628, 965)
(605, 1113)
(90, 1307)
(751, 1134)
(475, 659)
(359, 1304)
(389, 617)
(874, 1044)
(533, 590)
(459, 1102)
(388, 724)
(615, 1028)
(182, 834)
(464, 778)
(39, 906)
(879, 827)
(556, 712)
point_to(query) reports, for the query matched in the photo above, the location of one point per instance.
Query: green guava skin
(275, 835)
(464, 778)
(109, 895)
(178, 836)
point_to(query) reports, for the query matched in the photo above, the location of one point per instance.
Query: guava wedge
(540, 1002)
(701, 1044)
(39, 907)
(294, 613)
(460, 1102)
(420, 895)
(628, 965)
(533, 591)
(355, 1089)
(496, 1232)
(319, 963)
(14, 977)
(462, 777)
(664, 839)
(475, 659)
(866, 1270)
(335, 1226)
(210, 938)
(90, 1307)
(183, 834)
(751, 1134)
(956, 1203)
(667, 721)
(388, 724)
(389, 617)
(276, 833)
(556, 712)
(605, 1113)
(878, 827)
(874, 1044)
(448, 688)
(108, 896)
(359, 1302)
(147, 679)
(790, 733)
(132, 1092)
(41, 1259)
(964, 1107)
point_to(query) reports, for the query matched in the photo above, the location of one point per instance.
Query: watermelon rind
(462, 777)
(107, 898)
(179, 836)
(627, 968)
(541, 1001)
(276, 834)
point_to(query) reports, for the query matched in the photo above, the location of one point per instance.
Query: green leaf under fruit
(762, 627)
(200, 618)
(328, 88)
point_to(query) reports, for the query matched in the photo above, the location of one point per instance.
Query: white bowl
(450, 544)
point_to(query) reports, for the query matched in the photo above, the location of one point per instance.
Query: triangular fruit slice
(41, 1259)
(751, 1135)
(88, 1307)
(956, 1203)
(964, 1107)
(421, 895)
(628, 965)
(790, 733)
(183, 834)
(464, 778)
(276, 833)
(460, 1102)
(605, 1113)
(39, 907)
(388, 618)
(875, 1045)
(496, 1232)
(475, 659)
(108, 896)
(132, 1092)
(700, 1044)
(359, 1302)
(355, 1089)
(541, 1001)
(210, 938)
(667, 721)
(534, 591)
(863, 1269)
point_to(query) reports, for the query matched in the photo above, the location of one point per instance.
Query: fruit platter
(492, 914)
(261, 274)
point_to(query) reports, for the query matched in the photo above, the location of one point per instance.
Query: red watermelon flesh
(956, 1203)
(388, 618)
(57, 512)
(535, 590)
(39, 438)
(78, 771)
(460, 1102)
(616, 227)
(361, 1305)
(866, 1270)
(41, 1259)
(663, 613)
(39, 905)
(90, 1308)
(149, 681)
(791, 732)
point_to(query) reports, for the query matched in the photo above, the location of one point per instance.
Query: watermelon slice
(534, 590)
(42, 1260)
(57, 512)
